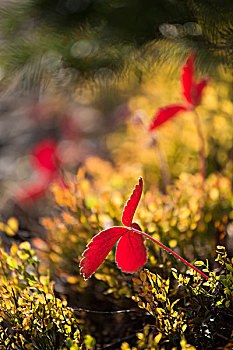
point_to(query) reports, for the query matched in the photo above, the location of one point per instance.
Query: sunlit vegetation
(45, 303)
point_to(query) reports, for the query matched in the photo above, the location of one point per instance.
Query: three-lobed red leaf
(191, 90)
(132, 204)
(131, 254)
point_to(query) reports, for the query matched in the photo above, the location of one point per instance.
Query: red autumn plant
(131, 253)
(192, 91)
(46, 162)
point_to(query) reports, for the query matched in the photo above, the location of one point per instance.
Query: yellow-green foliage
(189, 216)
(175, 218)
(178, 313)
(31, 317)
(153, 296)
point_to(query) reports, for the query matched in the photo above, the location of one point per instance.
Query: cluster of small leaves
(221, 285)
(31, 317)
(10, 227)
(173, 218)
(183, 213)
(153, 295)
(199, 314)
(208, 304)
(147, 341)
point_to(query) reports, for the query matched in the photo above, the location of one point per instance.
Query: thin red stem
(170, 251)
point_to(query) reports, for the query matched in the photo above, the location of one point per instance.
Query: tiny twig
(105, 312)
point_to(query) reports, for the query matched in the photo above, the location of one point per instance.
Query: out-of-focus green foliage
(62, 42)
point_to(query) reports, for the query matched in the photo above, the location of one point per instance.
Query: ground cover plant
(164, 281)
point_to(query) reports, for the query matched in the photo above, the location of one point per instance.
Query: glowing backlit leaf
(99, 248)
(131, 253)
(132, 204)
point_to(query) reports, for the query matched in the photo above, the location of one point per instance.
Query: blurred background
(84, 72)
(86, 77)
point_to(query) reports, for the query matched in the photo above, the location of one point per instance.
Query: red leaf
(44, 156)
(32, 192)
(192, 90)
(132, 204)
(199, 87)
(165, 114)
(131, 253)
(99, 248)
(187, 79)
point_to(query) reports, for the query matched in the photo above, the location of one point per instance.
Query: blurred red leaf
(199, 87)
(44, 156)
(165, 114)
(187, 78)
(32, 191)
(46, 162)
(191, 90)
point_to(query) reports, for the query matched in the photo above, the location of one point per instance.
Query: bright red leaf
(132, 204)
(131, 253)
(98, 249)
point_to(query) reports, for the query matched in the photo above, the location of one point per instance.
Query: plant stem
(162, 162)
(170, 251)
(201, 147)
